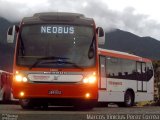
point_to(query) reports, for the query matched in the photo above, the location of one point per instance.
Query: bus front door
(141, 80)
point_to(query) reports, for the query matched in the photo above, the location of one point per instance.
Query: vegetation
(156, 65)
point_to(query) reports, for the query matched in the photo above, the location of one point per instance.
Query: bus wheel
(5, 98)
(85, 105)
(128, 100)
(26, 103)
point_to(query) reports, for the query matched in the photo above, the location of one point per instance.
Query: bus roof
(123, 55)
(58, 17)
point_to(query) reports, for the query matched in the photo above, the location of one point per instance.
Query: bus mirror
(100, 32)
(11, 33)
(101, 36)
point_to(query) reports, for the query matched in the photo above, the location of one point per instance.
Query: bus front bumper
(51, 91)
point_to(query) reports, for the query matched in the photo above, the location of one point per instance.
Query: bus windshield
(63, 46)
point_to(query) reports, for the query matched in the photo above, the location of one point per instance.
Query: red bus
(5, 86)
(56, 60)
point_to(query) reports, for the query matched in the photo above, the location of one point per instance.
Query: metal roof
(118, 52)
(124, 54)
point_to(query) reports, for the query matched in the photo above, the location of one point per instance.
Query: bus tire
(26, 103)
(5, 98)
(128, 99)
(85, 105)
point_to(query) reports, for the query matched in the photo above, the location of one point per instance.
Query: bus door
(141, 80)
(102, 83)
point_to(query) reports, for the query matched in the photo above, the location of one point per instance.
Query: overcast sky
(140, 17)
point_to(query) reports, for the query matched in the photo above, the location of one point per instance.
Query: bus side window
(128, 68)
(113, 67)
(149, 71)
(143, 74)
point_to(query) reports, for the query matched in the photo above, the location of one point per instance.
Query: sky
(140, 17)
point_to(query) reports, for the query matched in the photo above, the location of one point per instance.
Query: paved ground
(15, 112)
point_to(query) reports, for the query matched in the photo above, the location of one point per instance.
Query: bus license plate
(54, 92)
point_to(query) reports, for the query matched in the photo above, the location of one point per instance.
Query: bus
(125, 78)
(5, 86)
(56, 60)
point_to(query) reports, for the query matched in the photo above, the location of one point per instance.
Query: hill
(127, 42)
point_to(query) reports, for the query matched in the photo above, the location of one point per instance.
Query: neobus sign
(57, 29)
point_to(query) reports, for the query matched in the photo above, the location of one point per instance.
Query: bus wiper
(91, 48)
(65, 62)
(22, 45)
(46, 58)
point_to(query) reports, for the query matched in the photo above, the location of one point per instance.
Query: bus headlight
(90, 79)
(20, 78)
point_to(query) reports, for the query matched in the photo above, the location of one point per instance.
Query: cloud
(109, 19)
